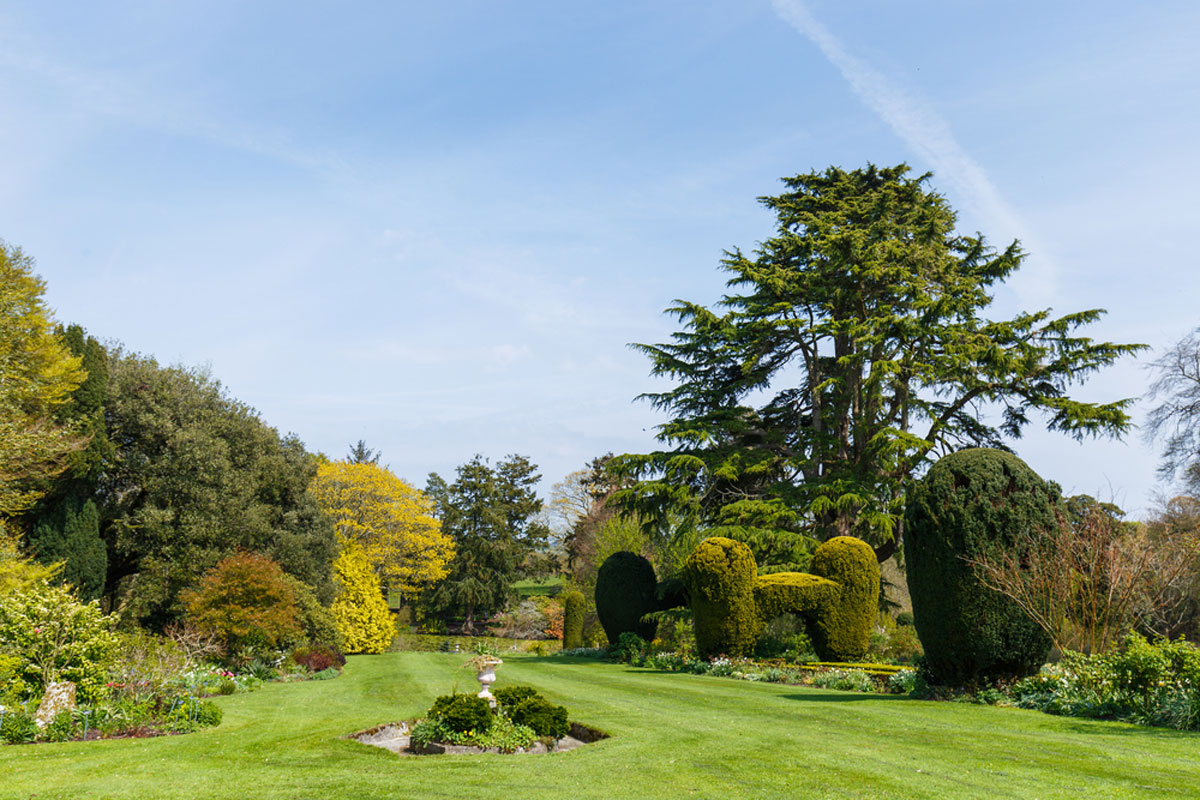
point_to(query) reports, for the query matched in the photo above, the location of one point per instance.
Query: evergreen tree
(359, 610)
(850, 352)
(491, 513)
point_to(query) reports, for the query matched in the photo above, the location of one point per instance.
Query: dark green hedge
(572, 620)
(972, 503)
(720, 576)
(625, 587)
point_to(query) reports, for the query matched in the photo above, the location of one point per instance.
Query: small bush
(629, 649)
(545, 718)
(902, 682)
(854, 680)
(508, 696)
(18, 727)
(318, 657)
(60, 729)
(462, 712)
(904, 619)
(573, 609)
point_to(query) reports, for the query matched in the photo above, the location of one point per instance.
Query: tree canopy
(38, 373)
(492, 513)
(391, 520)
(851, 350)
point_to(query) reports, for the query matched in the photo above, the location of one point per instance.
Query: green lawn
(672, 736)
(546, 586)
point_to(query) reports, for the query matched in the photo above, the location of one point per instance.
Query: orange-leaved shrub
(247, 601)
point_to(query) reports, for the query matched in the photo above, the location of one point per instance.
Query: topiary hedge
(462, 712)
(720, 577)
(970, 504)
(841, 629)
(625, 587)
(573, 620)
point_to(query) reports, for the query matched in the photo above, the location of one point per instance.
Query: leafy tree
(197, 476)
(65, 525)
(247, 600)
(391, 520)
(492, 515)
(38, 373)
(852, 351)
(359, 610)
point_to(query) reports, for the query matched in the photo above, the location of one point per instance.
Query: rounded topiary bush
(720, 576)
(841, 629)
(508, 696)
(462, 712)
(970, 504)
(545, 718)
(572, 620)
(625, 587)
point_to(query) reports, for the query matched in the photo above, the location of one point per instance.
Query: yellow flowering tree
(390, 520)
(359, 611)
(37, 374)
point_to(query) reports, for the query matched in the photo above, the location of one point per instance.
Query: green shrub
(545, 718)
(60, 729)
(56, 638)
(970, 504)
(904, 619)
(462, 712)
(625, 592)
(842, 627)
(316, 621)
(509, 696)
(847, 680)
(18, 727)
(720, 575)
(573, 605)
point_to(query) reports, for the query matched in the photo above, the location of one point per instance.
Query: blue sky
(437, 229)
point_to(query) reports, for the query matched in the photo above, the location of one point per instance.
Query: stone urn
(485, 673)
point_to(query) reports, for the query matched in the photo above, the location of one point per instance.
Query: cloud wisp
(924, 131)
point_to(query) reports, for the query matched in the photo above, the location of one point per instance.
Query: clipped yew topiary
(720, 575)
(572, 620)
(841, 629)
(625, 587)
(973, 503)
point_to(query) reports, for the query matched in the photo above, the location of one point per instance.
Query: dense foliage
(392, 522)
(359, 610)
(492, 515)
(720, 577)
(38, 373)
(246, 600)
(625, 592)
(197, 476)
(54, 637)
(573, 608)
(861, 323)
(974, 503)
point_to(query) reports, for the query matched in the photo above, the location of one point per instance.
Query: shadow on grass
(1108, 727)
(834, 696)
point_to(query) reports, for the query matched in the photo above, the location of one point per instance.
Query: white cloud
(928, 135)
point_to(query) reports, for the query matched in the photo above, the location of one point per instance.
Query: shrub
(904, 619)
(573, 608)
(625, 592)
(360, 612)
(60, 729)
(146, 664)
(462, 712)
(973, 504)
(508, 696)
(545, 718)
(56, 638)
(629, 649)
(852, 680)
(18, 727)
(318, 657)
(247, 601)
(316, 621)
(720, 575)
(842, 627)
